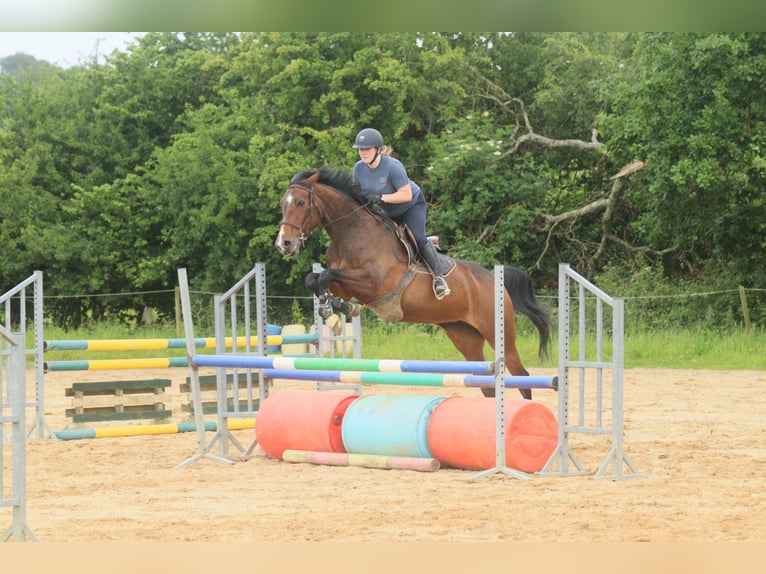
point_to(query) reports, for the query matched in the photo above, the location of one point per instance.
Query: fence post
(177, 293)
(745, 312)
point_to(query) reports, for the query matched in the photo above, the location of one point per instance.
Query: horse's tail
(519, 285)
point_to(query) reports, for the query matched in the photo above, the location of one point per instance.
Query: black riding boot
(441, 289)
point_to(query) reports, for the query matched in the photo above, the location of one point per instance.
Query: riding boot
(431, 257)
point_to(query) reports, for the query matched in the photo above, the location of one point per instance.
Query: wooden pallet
(209, 396)
(118, 400)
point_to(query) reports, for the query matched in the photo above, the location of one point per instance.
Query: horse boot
(431, 257)
(325, 305)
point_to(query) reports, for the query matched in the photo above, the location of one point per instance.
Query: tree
(697, 116)
(17, 63)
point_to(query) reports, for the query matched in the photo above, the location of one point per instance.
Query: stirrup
(441, 289)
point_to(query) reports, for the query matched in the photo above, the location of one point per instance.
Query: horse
(369, 264)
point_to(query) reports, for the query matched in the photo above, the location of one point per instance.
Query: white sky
(65, 48)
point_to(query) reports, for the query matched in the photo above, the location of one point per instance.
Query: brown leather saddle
(407, 239)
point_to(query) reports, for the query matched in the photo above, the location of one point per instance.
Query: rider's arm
(401, 195)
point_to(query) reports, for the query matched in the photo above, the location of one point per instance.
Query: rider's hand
(375, 199)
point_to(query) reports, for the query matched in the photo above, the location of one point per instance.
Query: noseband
(302, 227)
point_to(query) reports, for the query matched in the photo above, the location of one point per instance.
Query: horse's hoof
(333, 323)
(354, 309)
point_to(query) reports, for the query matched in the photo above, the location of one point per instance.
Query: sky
(65, 49)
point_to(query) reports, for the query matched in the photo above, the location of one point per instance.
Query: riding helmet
(368, 138)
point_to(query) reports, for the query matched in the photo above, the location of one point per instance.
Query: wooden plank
(117, 408)
(127, 386)
(117, 401)
(211, 407)
(88, 417)
(209, 381)
(209, 392)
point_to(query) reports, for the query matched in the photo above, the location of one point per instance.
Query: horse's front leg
(328, 303)
(322, 293)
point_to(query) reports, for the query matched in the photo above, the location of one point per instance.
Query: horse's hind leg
(470, 343)
(514, 366)
(510, 354)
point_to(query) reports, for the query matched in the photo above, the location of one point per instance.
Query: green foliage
(695, 113)
(709, 303)
(176, 153)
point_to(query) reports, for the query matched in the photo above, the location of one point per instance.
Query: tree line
(628, 155)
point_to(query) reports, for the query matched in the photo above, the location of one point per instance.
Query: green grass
(697, 350)
(674, 350)
(678, 349)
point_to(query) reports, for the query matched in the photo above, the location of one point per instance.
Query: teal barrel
(392, 425)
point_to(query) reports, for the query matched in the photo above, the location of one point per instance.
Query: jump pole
(143, 430)
(161, 344)
(363, 460)
(254, 361)
(413, 379)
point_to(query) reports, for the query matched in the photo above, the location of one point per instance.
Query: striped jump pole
(143, 430)
(422, 379)
(159, 344)
(363, 460)
(116, 364)
(246, 361)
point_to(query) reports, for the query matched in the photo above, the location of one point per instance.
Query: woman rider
(384, 180)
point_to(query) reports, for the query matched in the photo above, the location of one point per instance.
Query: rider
(384, 180)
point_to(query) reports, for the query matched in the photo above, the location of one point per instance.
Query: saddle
(407, 239)
(388, 307)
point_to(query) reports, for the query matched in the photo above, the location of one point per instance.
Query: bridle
(304, 234)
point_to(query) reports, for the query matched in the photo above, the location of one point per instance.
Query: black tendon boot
(441, 289)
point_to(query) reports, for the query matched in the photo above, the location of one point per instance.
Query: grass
(682, 349)
(678, 349)
(697, 350)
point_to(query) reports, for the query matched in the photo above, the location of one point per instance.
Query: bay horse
(369, 264)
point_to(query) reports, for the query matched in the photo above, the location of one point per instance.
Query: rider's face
(366, 154)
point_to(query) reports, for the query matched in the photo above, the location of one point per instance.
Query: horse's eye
(301, 202)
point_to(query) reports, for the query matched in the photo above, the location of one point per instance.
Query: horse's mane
(337, 178)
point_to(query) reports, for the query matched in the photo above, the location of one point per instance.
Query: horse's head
(311, 198)
(300, 215)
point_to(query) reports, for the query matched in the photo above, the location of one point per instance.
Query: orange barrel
(302, 420)
(461, 433)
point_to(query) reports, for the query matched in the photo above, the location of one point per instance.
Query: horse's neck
(353, 229)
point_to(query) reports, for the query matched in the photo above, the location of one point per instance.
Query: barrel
(461, 433)
(273, 330)
(391, 425)
(294, 348)
(302, 420)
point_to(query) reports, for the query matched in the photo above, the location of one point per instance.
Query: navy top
(389, 176)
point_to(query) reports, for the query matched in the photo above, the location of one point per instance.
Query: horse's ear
(312, 178)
